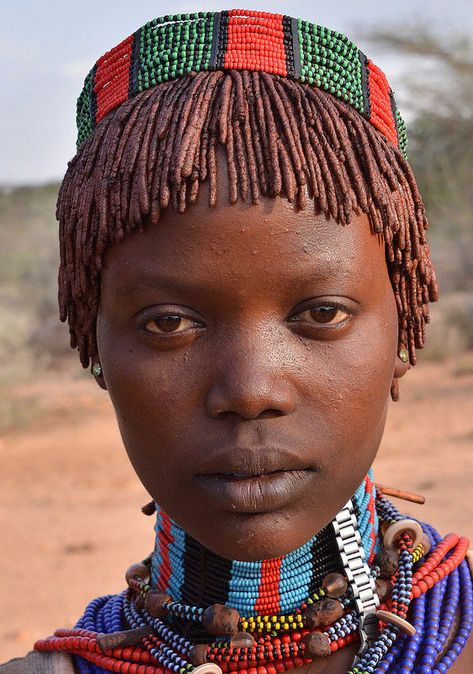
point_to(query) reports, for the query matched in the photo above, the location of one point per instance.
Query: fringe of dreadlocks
(280, 137)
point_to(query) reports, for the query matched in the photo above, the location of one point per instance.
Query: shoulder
(39, 663)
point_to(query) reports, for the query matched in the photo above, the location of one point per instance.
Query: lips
(253, 460)
(252, 492)
(258, 472)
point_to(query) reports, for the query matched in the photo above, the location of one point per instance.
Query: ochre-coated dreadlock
(281, 137)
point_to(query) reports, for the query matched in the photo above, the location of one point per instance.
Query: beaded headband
(173, 45)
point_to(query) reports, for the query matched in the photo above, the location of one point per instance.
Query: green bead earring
(96, 369)
(404, 355)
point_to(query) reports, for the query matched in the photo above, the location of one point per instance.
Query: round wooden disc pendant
(208, 668)
(403, 625)
(394, 530)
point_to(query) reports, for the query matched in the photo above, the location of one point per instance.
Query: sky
(48, 46)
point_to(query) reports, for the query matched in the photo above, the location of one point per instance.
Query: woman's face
(249, 352)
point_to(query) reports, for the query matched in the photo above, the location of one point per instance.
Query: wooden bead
(334, 585)
(384, 589)
(330, 611)
(123, 639)
(387, 561)
(198, 654)
(393, 532)
(221, 620)
(317, 645)
(242, 640)
(393, 619)
(311, 617)
(155, 601)
(322, 613)
(137, 572)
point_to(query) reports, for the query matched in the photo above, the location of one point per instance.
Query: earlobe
(97, 372)
(400, 368)
(402, 363)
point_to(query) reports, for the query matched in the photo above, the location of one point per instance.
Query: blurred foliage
(30, 333)
(438, 94)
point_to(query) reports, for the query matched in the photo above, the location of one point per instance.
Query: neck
(193, 574)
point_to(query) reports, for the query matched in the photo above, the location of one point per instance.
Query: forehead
(248, 247)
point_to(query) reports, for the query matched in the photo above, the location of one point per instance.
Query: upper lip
(251, 462)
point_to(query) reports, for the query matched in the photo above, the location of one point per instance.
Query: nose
(251, 383)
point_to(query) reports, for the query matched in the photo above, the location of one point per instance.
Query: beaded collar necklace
(174, 45)
(379, 588)
(193, 575)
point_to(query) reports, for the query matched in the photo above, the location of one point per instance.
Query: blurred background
(70, 520)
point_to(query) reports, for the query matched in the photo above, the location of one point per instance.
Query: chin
(252, 538)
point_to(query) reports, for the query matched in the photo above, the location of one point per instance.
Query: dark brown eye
(168, 323)
(324, 314)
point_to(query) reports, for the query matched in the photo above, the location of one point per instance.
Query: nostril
(265, 414)
(269, 414)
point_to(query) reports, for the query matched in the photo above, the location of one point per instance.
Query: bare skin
(251, 340)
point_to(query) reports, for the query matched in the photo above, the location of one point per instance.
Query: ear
(97, 373)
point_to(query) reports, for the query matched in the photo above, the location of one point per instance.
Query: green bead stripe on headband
(171, 46)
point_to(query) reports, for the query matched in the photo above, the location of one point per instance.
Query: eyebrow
(168, 284)
(323, 272)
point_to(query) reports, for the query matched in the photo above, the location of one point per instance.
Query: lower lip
(255, 494)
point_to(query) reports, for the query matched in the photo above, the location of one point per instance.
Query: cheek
(152, 395)
(352, 394)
